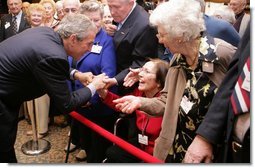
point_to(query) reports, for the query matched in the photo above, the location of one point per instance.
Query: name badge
(186, 105)
(143, 139)
(96, 49)
(246, 83)
(207, 67)
(7, 24)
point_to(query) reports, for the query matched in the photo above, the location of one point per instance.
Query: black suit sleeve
(2, 22)
(52, 74)
(145, 47)
(214, 123)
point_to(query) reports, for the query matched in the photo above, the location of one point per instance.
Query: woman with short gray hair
(184, 20)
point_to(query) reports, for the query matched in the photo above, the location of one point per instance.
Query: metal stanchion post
(69, 141)
(35, 146)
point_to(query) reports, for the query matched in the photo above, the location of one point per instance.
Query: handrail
(118, 141)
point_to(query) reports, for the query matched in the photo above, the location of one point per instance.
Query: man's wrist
(92, 88)
(72, 74)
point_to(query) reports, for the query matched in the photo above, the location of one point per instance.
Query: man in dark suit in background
(135, 40)
(39, 65)
(225, 123)
(14, 22)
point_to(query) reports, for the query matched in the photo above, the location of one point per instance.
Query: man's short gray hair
(78, 24)
(73, 1)
(180, 19)
(92, 6)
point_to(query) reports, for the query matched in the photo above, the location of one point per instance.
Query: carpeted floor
(58, 138)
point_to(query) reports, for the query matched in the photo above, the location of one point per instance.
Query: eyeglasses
(161, 35)
(146, 71)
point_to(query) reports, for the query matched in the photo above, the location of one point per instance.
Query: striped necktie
(240, 98)
(14, 25)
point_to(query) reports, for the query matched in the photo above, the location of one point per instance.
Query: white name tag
(186, 105)
(246, 83)
(96, 49)
(143, 139)
(7, 24)
(207, 67)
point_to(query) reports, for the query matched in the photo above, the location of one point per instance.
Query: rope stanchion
(118, 141)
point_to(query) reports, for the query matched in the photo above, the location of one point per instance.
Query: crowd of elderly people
(180, 109)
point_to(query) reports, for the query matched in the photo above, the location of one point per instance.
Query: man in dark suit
(225, 125)
(14, 22)
(39, 65)
(135, 40)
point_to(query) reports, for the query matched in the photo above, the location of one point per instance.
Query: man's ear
(73, 39)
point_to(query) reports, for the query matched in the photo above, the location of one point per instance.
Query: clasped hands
(126, 104)
(101, 81)
(87, 78)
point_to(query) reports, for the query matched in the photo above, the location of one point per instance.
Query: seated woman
(151, 81)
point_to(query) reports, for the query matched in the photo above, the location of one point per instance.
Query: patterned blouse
(198, 94)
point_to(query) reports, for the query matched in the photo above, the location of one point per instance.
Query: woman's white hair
(78, 24)
(179, 18)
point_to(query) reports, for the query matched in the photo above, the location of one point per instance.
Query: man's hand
(128, 104)
(199, 151)
(132, 77)
(98, 81)
(110, 82)
(102, 93)
(110, 29)
(85, 78)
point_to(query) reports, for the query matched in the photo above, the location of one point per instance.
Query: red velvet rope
(118, 141)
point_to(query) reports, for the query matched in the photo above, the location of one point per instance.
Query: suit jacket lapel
(9, 29)
(120, 35)
(22, 25)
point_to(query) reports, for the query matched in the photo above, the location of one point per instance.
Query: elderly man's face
(70, 7)
(237, 5)
(120, 9)
(14, 6)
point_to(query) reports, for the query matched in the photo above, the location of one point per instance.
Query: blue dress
(101, 59)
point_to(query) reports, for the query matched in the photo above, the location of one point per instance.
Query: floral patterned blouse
(198, 94)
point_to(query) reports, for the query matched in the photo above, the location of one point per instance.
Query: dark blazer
(36, 65)
(6, 33)
(219, 118)
(134, 42)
